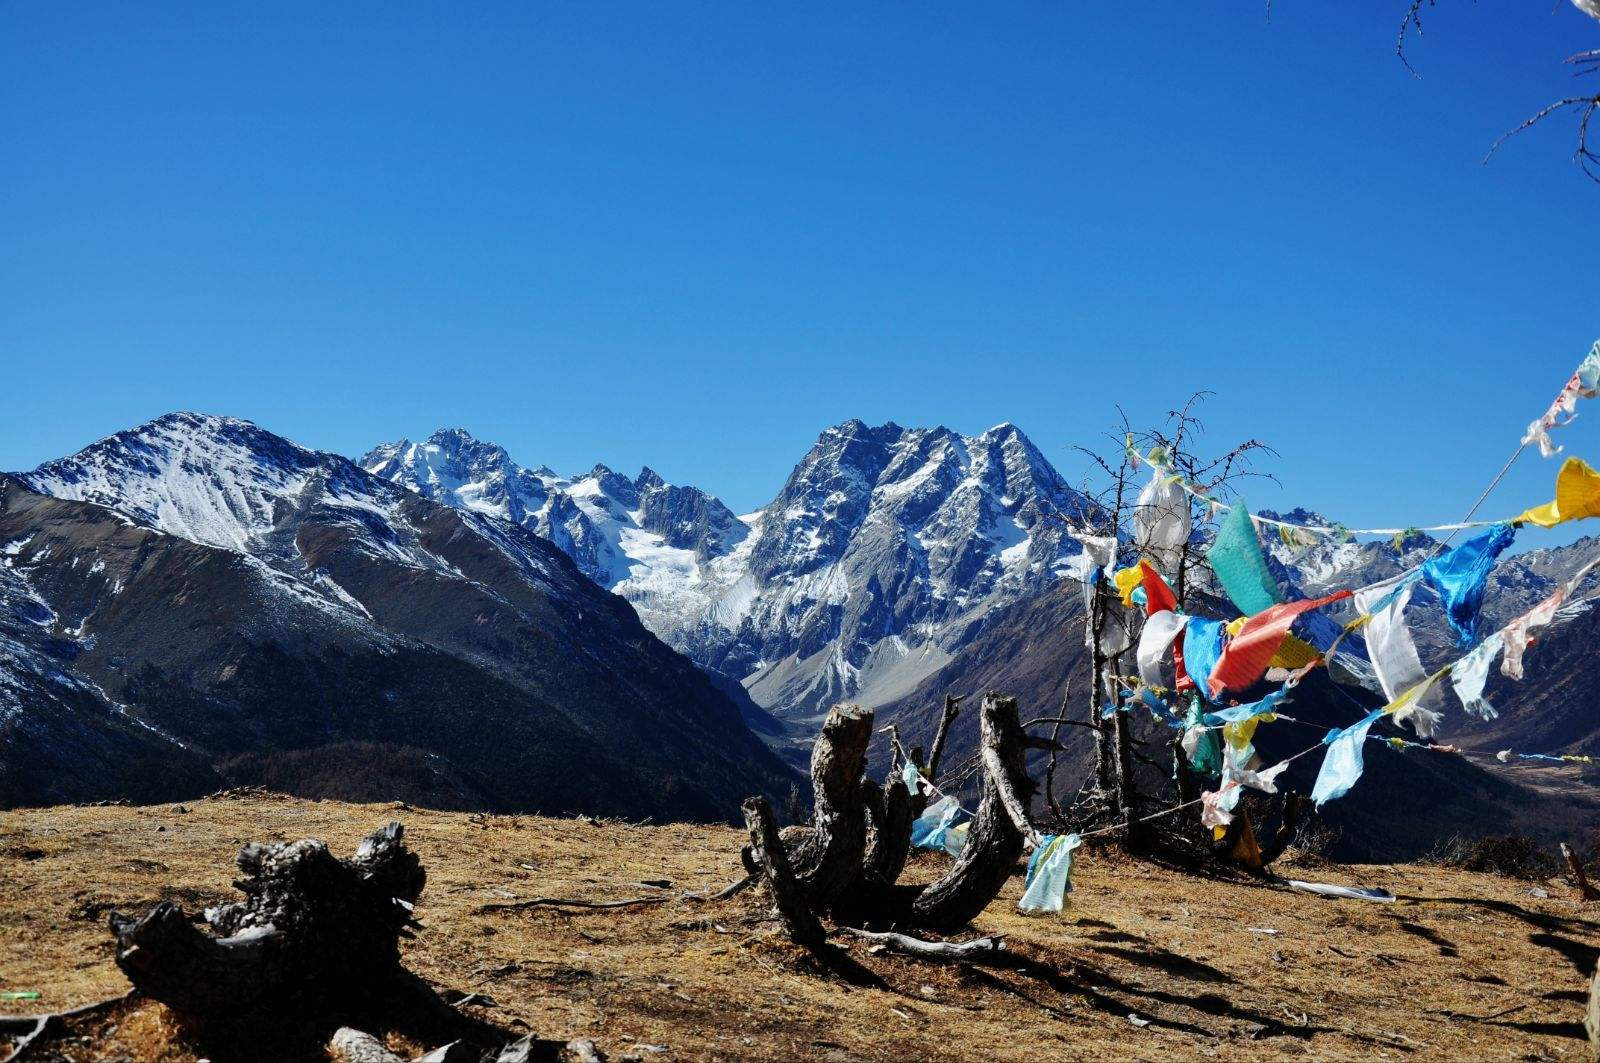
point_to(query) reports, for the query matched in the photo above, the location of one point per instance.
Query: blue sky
(694, 235)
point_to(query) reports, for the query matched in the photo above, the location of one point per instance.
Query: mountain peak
(453, 437)
(198, 420)
(209, 479)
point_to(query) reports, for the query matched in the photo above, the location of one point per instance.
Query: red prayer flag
(1157, 595)
(1245, 659)
(1182, 683)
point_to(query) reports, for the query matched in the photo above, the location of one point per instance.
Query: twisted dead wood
(862, 834)
(994, 840)
(890, 812)
(789, 897)
(827, 860)
(310, 924)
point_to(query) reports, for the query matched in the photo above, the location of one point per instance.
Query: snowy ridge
(228, 484)
(210, 597)
(882, 553)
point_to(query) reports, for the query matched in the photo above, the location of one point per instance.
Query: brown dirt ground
(1147, 962)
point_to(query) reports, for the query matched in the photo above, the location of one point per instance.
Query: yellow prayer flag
(1577, 496)
(1240, 734)
(1408, 706)
(1294, 653)
(1127, 580)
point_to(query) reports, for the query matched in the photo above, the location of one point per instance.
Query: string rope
(1501, 475)
(1178, 808)
(1336, 530)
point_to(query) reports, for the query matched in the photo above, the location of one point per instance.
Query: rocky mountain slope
(879, 558)
(58, 730)
(292, 619)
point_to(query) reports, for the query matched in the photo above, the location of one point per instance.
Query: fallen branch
(33, 1027)
(569, 902)
(978, 950)
(733, 888)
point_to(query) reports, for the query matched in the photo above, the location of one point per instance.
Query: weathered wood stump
(994, 840)
(1586, 892)
(827, 859)
(310, 924)
(847, 861)
(890, 813)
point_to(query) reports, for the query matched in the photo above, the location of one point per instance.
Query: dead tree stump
(994, 841)
(1586, 892)
(767, 853)
(890, 812)
(837, 867)
(828, 859)
(311, 924)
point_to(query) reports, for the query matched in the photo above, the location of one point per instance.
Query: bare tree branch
(1413, 18)
(1587, 158)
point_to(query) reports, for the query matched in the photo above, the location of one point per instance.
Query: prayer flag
(1577, 496)
(1460, 574)
(1246, 658)
(1342, 766)
(1240, 566)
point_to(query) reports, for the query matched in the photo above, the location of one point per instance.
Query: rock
(350, 1045)
(584, 1051)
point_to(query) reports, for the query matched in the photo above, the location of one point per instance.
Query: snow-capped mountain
(289, 616)
(651, 541)
(880, 557)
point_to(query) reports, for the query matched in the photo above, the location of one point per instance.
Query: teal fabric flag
(1049, 874)
(1343, 765)
(936, 827)
(1202, 745)
(911, 777)
(1236, 557)
(1459, 575)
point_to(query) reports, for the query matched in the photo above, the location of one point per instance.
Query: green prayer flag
(1241, 568)
(1202, 744)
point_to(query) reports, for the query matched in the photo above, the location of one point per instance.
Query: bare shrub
(1513, 856)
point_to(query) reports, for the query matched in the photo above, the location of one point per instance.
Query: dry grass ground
(1147, 963)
